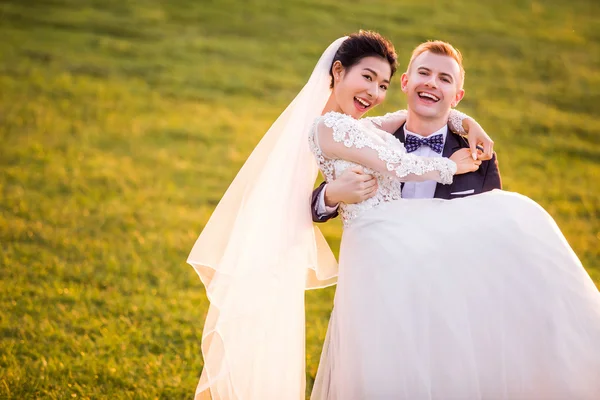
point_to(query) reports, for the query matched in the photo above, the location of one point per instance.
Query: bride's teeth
(362, 102)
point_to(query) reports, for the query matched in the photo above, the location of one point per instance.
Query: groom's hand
(352, 186)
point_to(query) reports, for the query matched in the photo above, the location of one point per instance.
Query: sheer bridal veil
(257, 254)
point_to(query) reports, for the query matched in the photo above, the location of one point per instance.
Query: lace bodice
(339, 142)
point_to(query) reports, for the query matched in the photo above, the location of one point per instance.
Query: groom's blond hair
(441, 48)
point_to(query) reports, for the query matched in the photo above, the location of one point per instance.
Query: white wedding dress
(473, 298)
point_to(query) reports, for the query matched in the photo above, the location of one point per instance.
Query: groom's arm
(492, 179)
(320, 211)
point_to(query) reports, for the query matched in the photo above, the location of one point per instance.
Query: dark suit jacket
(486, 178)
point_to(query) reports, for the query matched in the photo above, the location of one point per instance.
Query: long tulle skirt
(475, 298)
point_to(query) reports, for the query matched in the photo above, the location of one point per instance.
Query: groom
(433, 84)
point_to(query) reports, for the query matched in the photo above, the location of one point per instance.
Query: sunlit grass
(123, 122)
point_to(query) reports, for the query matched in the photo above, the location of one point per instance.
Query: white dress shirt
(411, 190)
(425, 189)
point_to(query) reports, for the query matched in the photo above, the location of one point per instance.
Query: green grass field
(123, 122)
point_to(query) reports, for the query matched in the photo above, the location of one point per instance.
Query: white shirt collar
(443, 130)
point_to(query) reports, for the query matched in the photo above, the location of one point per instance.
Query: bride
(417, 314)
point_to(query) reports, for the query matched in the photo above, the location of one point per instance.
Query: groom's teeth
(429, 96)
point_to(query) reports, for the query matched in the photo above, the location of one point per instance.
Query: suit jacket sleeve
(492, 179)
(314, 206)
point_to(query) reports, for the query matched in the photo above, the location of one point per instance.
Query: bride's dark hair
(364, 44)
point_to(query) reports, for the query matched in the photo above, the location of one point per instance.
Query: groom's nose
(431, 81)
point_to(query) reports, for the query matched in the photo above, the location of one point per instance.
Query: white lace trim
(389, 189)
(380, 120)
(351, 133)
(455, 119)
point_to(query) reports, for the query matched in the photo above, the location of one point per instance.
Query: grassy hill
(123, 122)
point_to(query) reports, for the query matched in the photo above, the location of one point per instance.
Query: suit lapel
(452, 144)
(401, 136)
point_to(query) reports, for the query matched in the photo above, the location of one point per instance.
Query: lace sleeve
(455, 120)
(341, 137)
(390, 122)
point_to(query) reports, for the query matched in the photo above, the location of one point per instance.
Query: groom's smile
(428, 98)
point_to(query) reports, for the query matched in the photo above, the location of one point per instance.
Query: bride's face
(362, 86)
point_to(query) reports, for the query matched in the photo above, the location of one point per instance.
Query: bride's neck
(425, 126)
(331, 105)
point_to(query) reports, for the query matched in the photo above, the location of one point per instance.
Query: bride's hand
(464, 161)
(351, 187)
(477, 136)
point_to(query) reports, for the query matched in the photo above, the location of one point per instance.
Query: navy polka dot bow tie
(436, 143)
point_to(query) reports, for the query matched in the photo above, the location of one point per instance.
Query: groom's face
(433, 85)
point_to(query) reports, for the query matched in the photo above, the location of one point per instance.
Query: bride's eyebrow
(375, 73)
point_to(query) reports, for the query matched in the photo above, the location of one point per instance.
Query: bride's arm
(460, 123)
(389, 122)
(347, 139)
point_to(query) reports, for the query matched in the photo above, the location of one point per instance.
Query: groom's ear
(404, 82)
(459, 96)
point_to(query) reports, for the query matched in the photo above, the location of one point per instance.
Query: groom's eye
(383, 87)
(367, 77)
